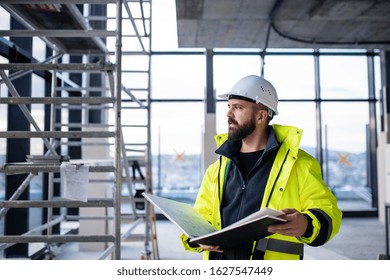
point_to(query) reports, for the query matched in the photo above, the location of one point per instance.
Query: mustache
(232, 121)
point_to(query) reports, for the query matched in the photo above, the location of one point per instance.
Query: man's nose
(229, 113)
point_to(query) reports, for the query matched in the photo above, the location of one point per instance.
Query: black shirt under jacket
(243, 196)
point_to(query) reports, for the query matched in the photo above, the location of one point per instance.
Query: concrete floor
(358, 239)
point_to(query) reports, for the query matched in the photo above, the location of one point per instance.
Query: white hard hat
(256, 89)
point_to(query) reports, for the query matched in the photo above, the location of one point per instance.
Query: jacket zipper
(243, 188)
(276, 179)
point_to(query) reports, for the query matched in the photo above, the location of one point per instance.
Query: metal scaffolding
(71, 28)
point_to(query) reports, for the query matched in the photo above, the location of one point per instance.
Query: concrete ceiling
(284, 23)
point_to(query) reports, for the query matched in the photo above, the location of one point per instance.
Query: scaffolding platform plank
(56, 17)
(70, 67)
(56, 134)
(56, 238)
(57, 100)
(26, 167)
(57, 203)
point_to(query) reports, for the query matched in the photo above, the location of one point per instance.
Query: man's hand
(296, 224)
(211, 248)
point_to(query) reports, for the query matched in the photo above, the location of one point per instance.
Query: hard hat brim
(225, 96)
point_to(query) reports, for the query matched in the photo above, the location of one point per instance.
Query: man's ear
(261, 115)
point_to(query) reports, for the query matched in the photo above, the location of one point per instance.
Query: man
(262, 166)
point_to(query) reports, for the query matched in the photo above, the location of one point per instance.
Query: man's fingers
(279, 228)
(211, 248)
(287, 211)
(296, 224)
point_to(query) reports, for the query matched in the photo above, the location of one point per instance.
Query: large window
(333, 109)
(347, 133)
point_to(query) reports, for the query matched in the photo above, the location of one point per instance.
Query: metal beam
(67, 1)
(56, 134)
(56, 238)
(57, 1)
(12, 169)
(77, 67)
(118, 139)
(75, 33)
(36, 230)
(101, 202)
(134, 26)
(56, 100)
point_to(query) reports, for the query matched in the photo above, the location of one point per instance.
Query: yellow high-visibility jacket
(295, 181)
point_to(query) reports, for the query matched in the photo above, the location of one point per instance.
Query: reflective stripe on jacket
(295, 181)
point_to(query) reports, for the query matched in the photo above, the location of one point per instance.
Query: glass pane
(303, 116)
(39, 49)
(343, 77)
(221, 109)
(38, 113)
(292, 76)
(176, 149)
(5, 19)
(228, 69)
(135, 81)
(178, 77)
(345, 153)
(164, 25)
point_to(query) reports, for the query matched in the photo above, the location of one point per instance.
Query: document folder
(200, 231)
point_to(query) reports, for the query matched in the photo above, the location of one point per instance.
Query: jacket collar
(230, 148)
(277, 135)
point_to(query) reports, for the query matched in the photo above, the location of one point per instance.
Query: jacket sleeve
(318, 203)
(203, 203)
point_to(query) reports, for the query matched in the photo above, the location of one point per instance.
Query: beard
(239, 132)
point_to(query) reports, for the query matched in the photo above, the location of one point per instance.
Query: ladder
(105, 110)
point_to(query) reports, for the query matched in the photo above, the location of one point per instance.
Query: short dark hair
(270, 113)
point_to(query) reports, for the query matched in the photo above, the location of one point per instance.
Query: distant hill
(184, 177)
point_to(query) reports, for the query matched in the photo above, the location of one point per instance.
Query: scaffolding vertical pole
(50, 185)
(151, 233)
(118, 135)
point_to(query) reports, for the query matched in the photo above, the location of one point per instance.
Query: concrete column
(96, 190)
(383, 159)
(383, 150)
(210, 126)
(208, 142)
